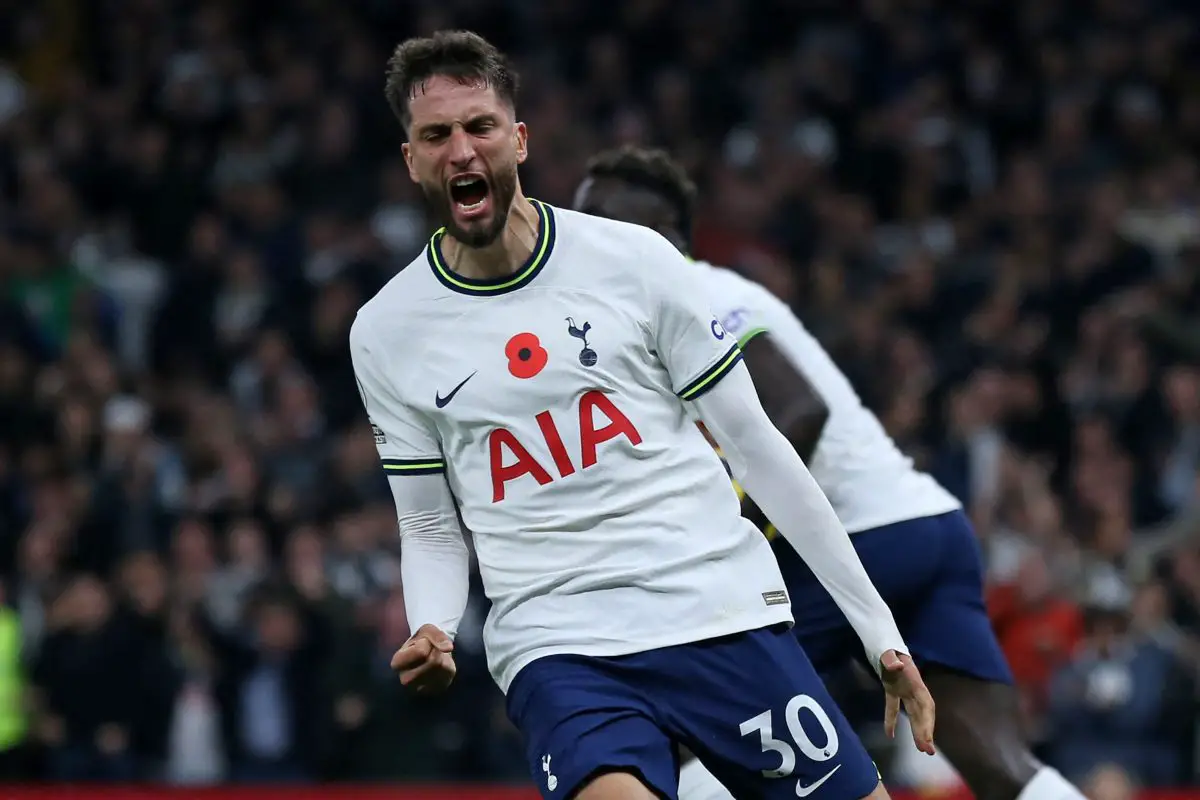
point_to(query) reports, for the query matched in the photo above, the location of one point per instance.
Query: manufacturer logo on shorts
(805, 791)
(551, 781)
(776, 598)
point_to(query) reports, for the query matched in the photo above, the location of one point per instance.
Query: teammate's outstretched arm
(775, 477)
(709, 374)
(434, 561)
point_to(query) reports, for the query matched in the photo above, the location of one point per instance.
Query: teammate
(528, 373)
(910, 533)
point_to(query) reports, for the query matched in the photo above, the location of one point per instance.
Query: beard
(502, 187)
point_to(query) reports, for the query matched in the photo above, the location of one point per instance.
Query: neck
(504, 256)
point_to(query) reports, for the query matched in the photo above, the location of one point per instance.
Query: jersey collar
(487, 287)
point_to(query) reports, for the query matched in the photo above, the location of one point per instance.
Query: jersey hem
(711, 376)
(745, 338)
(774, 616)
(883, 520)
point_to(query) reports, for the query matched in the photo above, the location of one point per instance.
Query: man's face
(278, 628)
(463, 150)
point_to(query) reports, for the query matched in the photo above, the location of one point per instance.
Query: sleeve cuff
(413, 466)
(711, 376)
(750, 334)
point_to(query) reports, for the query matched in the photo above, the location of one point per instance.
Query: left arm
(702, 360)
(772, 473)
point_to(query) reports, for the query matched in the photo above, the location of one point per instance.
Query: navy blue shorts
(930, 572)
(750, 706)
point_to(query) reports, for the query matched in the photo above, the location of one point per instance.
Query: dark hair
(462, 55)
(654, 170)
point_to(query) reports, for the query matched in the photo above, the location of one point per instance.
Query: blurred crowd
(986, 209)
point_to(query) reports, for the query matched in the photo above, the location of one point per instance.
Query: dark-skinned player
(910, 533)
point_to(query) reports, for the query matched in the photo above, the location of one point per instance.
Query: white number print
(763, 725)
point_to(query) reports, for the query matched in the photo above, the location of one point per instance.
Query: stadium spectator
(1039, 629)
(1108, 782)
(87, 678)
(194, 747)
(1109, 706)
(270, 690)
(986, 210)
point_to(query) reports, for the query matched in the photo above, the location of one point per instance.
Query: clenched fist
(425, 661)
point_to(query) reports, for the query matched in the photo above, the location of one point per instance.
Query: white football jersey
(868, 481)
(553, 400)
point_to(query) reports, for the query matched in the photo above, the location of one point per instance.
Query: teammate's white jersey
(553, 400)
(868, 481)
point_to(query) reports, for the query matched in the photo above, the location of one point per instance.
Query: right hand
(904, 686)
(425, 661)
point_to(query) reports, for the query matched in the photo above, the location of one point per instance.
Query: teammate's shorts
(930, 572)
(750, 706)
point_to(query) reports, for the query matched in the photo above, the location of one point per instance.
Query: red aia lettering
(555, 443)
(523, 463)
(590, 435)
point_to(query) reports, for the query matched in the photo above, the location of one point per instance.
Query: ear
(522, 135)
(406, 148)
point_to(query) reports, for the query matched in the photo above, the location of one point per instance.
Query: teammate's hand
(903, 684)
(425, 661)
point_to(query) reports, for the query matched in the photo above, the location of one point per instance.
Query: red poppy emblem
(526, 356)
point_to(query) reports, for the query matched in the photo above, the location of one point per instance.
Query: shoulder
(747, 290)
(628, 259)
(727, 283)
(580, 225)
(622, 241)
(738, 300)
(390, 311)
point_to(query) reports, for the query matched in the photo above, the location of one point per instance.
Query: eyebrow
(439, 127)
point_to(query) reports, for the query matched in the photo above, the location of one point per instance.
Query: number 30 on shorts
(763, 724)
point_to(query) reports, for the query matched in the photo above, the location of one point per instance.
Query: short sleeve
(742, 318)
(406, 440)
(691, 342)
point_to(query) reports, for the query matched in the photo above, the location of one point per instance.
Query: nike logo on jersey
(442, 402)
(805, 791)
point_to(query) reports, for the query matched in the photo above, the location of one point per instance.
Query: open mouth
(469, 192)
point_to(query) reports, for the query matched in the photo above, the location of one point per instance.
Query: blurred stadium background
(987, 209)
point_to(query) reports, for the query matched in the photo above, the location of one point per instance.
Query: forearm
(434, 562)
(775, 477)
